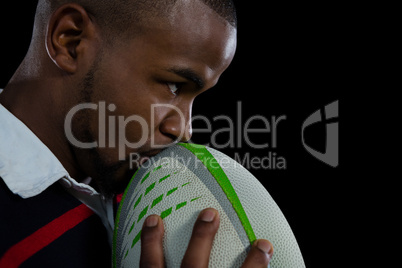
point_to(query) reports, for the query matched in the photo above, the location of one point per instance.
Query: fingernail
(208, 215)
(264, 246)
(151, 221)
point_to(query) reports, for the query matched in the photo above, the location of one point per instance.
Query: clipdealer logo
(330, 116)
(237, 134)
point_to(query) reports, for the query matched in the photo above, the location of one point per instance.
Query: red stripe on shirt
(117, 198)
(26, 248)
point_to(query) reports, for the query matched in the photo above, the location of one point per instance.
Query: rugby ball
(178, 184)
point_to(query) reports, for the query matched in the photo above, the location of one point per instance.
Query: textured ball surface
(183, 180)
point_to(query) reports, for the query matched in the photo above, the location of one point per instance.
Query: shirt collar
(27, 166)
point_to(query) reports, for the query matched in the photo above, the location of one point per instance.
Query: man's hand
(199, 248)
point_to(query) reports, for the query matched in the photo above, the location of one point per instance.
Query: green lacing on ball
(217, 172)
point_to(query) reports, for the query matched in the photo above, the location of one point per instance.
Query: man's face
(168, 65)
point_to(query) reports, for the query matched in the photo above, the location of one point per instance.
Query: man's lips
(152, 153)
(145, 157)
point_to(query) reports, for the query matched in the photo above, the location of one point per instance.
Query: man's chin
(114, 180)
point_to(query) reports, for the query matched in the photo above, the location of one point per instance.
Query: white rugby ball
(181, 181)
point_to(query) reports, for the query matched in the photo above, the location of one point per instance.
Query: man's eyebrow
(190, 75)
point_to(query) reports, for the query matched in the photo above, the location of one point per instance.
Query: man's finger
(151, 243)
(260, 254)
(199, 248)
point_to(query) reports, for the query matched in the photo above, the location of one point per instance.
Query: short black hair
(119, 16)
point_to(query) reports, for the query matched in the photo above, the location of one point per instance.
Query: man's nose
(177, 126)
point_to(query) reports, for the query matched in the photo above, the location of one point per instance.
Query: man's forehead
(193, 39)
(194, 25)
(223, 8)
(195, 11)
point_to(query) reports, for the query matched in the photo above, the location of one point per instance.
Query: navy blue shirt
(52, 229)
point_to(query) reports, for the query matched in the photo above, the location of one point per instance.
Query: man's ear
(69, 34)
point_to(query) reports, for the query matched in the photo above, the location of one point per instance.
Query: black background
(291, 60)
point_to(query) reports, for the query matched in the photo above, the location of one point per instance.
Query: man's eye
(174, 87)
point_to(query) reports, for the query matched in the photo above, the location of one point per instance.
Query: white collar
(27, 166)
